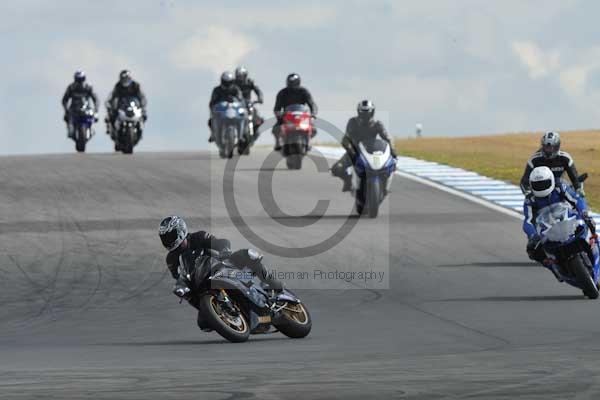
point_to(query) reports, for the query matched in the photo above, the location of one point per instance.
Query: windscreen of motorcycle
(377, 156)
(557, 222)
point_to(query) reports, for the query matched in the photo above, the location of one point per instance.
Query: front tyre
(80, 139)
(234, 328)
(294, 321)
(586, 283)
(294, 161)
(229, 140)
(373, 197)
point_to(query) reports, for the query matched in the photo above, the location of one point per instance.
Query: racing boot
(347, 183)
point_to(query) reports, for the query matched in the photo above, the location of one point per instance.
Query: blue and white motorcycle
(229, 126)
(573, 251)
(374, 168)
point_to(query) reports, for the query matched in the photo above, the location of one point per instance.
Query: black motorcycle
(231, 302)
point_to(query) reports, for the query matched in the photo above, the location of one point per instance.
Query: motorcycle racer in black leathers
(363, 127)
(78, 89)
(247, 86)
(226, 91)
(185, 246)
(293, 93)
(125, 87)
(549, 155)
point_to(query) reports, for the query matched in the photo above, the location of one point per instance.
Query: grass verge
(504, 156)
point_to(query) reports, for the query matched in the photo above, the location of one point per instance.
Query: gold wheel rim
(297, 313)
(238, 324)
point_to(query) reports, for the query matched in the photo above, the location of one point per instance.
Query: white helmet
(541, 181)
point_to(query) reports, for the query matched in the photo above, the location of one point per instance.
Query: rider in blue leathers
(545, 192)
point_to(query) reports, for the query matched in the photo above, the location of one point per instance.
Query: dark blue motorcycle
(572, 249)
(83, 116)
(374, 169)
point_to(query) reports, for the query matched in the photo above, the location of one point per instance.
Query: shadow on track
(511, 264)
(267, 169)
(189, 342)
(509, 299)
(314, 217)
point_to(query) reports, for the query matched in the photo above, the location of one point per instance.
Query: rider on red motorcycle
(293, 93)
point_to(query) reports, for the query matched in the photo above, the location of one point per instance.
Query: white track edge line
(447, 189)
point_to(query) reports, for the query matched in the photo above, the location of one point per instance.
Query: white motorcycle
(129, 125)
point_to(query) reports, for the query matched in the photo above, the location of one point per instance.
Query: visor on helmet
(168, 239)
(550, 150)
(540, 186)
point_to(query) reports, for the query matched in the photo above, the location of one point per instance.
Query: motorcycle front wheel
(373, 197)
(294, 161)
(234, 328)
(80, 139)
(586, 283)
(295, 321)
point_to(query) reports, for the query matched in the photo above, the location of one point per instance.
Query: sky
(459, 67)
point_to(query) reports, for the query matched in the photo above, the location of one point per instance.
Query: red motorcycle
(296, 131)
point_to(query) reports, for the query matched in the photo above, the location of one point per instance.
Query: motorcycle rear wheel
(236, 329)
(583, 277)
(295, 321)
(294, 161)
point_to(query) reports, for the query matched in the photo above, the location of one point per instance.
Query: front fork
(226, 302)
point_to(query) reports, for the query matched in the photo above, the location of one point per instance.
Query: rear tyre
(295, 321)
(373, 198)
(233, 328)
(583, 277)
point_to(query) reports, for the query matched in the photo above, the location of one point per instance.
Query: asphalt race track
(86, 309)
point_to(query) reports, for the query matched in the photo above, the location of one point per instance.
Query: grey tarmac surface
(86, 309)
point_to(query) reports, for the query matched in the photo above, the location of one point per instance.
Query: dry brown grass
(504, 156)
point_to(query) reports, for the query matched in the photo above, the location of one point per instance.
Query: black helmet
(365, 110)
(227, 79)
(125, 78)
(293, 80)
(172, 232)
(550, 144)
(79, 76)
(241, 74)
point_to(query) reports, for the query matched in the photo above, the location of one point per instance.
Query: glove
(224, 254)
(581, 192)
(589, 221)
(65, 118)
(145, 117)
(182, 292)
